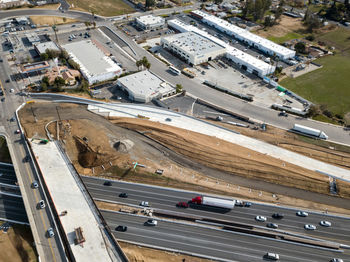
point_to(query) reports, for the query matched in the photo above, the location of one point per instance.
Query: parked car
(277, 215)
(182, 204)
(272, 256)
(121, 228)
(50, 232)
(151, 222)
(309, 227)
(42, 204)
(107, 183)
(302, 214)
(325, 223)
(35, 184)
(272, 225)
(123, 195)
(260, 218)
(144, 204)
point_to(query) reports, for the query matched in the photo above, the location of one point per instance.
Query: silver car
(325, 223)
(310, 227)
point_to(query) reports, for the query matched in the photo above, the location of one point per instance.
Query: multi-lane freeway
(218, 244)
(166, 199)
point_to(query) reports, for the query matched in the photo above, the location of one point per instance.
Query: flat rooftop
(145, 83)
(91, 59)
(193, 43)
(244, 33)
(67, 196)
(150, 19)
(42, 47)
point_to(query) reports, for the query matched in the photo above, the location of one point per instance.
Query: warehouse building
(148, 22)
(192, 47)
(95, 66)
(246, 61)
(245, 36)
(144, 86)
(33, 38)
(42, 47)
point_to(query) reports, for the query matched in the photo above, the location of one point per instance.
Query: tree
(279, 11)
(218, 1)
(58, 84)
(44, 56)
(84, 86)
(258, 10)
(52, 53)
(300, 47)
(45, 80)
(73, 64)
(150, 3)
(179, 88)
(143, 62)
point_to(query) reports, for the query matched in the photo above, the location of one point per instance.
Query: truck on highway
(214, 202)
(309, 131)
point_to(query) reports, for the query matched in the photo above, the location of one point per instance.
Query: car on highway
(50, 232)
(182, 204)
(12, 119)
(271, 256)
(7, 81)
(302, 214)
(151, 222)
(35, 184)
(144, 204)
(3, 99)
(121, 228)
(247, 204)
(325, 223)
(107, 183)
(17, 131)
(336, 260)
(12, 90)
(26, 159)
(277, 215)
(272, 225)
(42, 204)
(239, 203)
(260, 218)
(309, 227)
(123, 195)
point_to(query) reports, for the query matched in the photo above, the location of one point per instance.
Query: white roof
(42, 47)
(150, 20)
(92, 60)
(278, 49)
(193, 43)
(244, 57)
(145, 83)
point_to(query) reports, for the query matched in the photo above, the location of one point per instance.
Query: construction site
(139, 150)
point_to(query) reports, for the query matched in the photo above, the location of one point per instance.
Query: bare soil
(16, 245)
(51, 20)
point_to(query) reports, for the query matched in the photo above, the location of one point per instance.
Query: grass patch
(104, 8)
(51, 20)
(4, 151)
(324, 143)
(285, 38)
(187, 11)
(328, 85)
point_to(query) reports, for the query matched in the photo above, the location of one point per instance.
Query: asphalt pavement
(218, 244)
(165, 199)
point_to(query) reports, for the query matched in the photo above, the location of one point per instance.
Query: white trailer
(309, 131)
(213, 201)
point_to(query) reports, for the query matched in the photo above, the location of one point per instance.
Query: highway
(49, 249)
(224, 246)
(166, 199)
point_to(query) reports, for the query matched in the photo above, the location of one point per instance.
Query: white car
(272, 256)
(50, 232)
(151, 222)
(144, 204)
(260, 218)
(310, 227)
(42, 204)
(336, 260)
(302, 214)
(325, 223)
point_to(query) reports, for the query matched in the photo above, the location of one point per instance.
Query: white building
(241, 34)
(95, 66)
(192, 47)
(33, 38)
(42, 47)
(246, 61)
(144, 86)
(147, 22)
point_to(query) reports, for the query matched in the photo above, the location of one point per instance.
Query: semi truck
(309, 131)
(214, 202)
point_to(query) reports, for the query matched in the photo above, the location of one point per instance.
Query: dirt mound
(124, 146)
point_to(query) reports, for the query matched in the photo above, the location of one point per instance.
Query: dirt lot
(51, 20)
(100, 148)
(15, 245)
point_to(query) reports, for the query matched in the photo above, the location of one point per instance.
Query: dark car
(272, 225)
(107, 183)
(182, 204)
(121, 228)
(248, 204)
(26, 159)
(277, 216)
(7, 81)
(123, 195)
(3, 99)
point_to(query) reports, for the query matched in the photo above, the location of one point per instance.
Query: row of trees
(255, 9)
(143, 62)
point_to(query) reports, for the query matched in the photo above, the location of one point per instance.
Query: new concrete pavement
(224, 246)
(166, 199)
